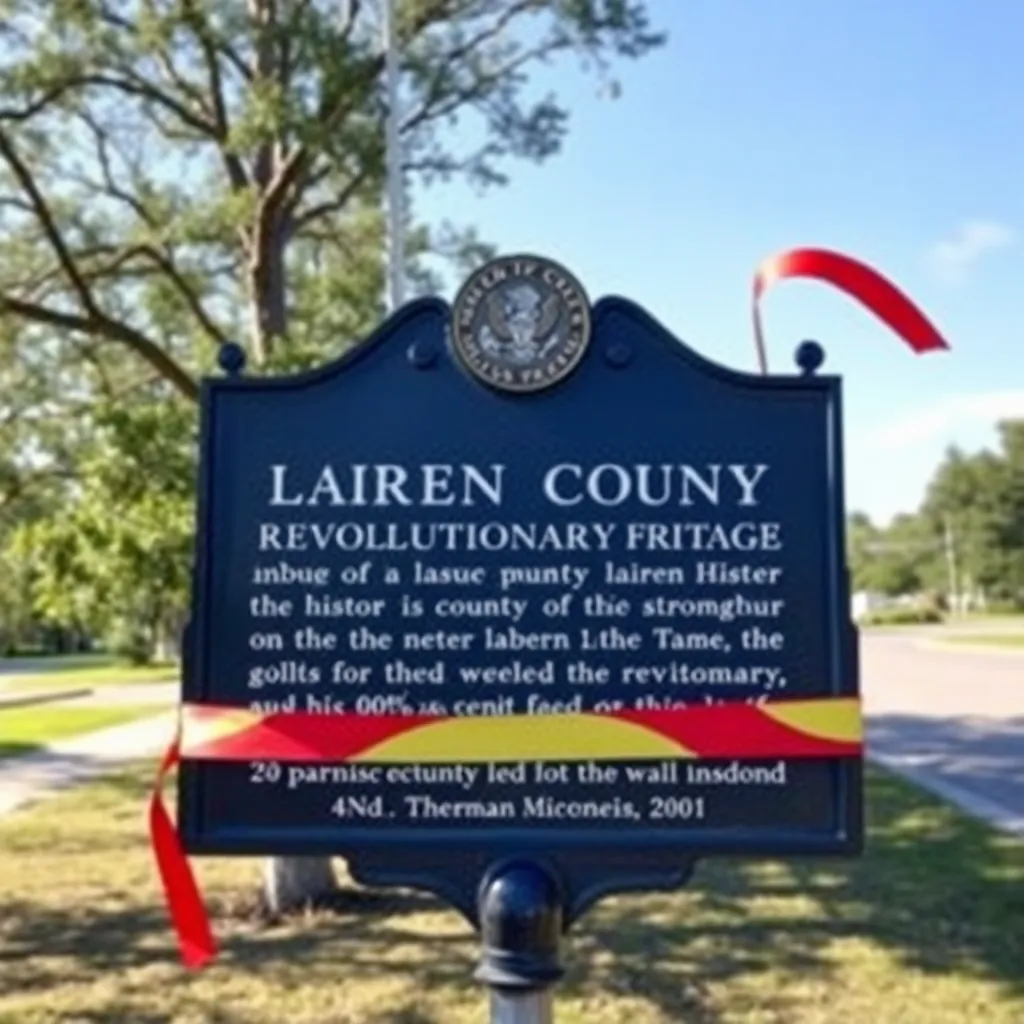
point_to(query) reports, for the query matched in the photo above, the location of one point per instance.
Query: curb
(997, 816)
(43, 698)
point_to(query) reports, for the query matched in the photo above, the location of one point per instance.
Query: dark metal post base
(521, 1008)
(521, 931)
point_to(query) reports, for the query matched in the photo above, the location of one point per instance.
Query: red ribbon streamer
(188, 915)
(858, 280)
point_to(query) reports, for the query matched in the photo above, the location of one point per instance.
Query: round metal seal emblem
(521, 323)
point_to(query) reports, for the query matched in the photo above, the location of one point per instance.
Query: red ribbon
(858, 280)
(188, 915)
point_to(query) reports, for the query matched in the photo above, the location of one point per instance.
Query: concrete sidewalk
(137, 694)
(951, 720)
(33, 777)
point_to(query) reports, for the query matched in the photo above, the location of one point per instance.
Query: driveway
(951, 719)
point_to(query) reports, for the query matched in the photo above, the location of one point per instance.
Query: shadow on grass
(120, 1013)
(941, 892)
(936, 891)
(88, 940)
(130, 1011)
(359, 931)
(408, 1015)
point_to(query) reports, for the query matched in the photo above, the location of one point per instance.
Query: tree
(37, 448)
(116, 557)
(1007, 510)
(968, 506)
(886, 561)
(861, 537)
(174, 170)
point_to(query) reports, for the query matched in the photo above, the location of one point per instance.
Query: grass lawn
(110, 673)
(927, 928)
(984, 617)
(987, 639)
(27, 728)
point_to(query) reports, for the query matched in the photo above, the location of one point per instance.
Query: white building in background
(863, 602)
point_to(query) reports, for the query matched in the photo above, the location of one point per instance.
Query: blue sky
(891, 131)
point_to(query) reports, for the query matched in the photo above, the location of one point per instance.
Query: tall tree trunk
(268, 305)
(289, 883)
(292, 883)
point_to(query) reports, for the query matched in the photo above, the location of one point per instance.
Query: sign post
(521, 930)
(523, 602)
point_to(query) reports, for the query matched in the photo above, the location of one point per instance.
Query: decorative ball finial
(422, 355)
(231, 358)
(809, 357)
(618, 355)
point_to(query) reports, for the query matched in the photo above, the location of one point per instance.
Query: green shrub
(909, 616)
(129, 641)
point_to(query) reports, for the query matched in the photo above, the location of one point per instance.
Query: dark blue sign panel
(436, 524)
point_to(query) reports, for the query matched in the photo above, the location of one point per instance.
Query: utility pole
(393, 161)
(951, 565)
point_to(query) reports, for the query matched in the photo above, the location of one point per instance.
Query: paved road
(950, 718)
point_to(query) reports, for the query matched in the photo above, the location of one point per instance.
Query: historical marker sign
(521, 506)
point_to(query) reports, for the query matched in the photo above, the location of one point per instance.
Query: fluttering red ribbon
(181, 894)
(859, 281)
